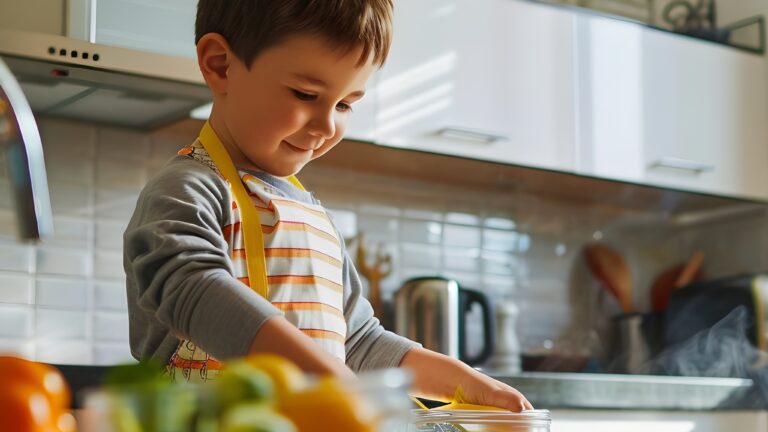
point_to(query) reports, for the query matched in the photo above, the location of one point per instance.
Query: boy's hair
(251, 26)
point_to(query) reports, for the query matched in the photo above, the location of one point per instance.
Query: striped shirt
(304, 262)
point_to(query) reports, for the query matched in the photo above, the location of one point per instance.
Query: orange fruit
(328, 406)
(286, 376)
(26, 408)
(18, 371)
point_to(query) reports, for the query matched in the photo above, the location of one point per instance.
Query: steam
(724, 351)
(721, 351)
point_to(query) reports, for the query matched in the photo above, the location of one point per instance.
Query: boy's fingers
(527, 404)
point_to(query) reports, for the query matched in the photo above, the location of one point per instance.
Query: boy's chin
(286, 171)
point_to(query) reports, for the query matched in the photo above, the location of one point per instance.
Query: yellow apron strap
(250, 223)
(295, 182)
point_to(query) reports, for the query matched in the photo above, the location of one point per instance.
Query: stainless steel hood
(72, 78)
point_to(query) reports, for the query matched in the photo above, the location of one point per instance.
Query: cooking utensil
(690, 270)
(380, 269)
(675, 277)
(612, 270)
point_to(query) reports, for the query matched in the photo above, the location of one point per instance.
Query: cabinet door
(487, 79)
(704, 118)
(671, 111)
(40, 16)
(166, 27)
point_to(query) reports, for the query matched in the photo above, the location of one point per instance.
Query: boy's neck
(222, 132)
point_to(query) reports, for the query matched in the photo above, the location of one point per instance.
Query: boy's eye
(304, 96)
(344, 107)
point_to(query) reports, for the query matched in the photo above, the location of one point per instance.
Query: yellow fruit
(241, 382)
(457, 406)
(328, 406)
(255, 417)
(286, 376)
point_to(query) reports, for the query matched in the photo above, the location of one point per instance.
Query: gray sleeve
(178, 269)
(369, 346)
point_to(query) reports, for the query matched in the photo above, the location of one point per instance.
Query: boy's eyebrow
(321, 83)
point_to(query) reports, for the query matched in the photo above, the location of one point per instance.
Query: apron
(285, 250)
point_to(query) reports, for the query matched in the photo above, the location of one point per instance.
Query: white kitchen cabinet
(671, 111)
(166, 27)
(485, 79)
(40, 16)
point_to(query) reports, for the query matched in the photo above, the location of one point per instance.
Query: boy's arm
(179, 274)
(369, 346)
(437, 377)
(278, 336)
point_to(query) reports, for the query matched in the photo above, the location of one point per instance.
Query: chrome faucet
(20, 141)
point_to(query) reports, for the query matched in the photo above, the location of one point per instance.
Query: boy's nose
(322, 125)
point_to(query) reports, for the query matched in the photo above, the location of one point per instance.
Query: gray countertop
(637, 392)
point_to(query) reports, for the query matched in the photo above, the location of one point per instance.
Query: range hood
(75, 79)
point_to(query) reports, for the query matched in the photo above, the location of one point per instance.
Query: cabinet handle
(682, 164)
(471, 135)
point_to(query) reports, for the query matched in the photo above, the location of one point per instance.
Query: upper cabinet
(666, 110)
(485, 79)
(166, 27)
(40, 16)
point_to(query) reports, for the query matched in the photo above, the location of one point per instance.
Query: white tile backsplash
(64, 261)
(17, 257)
(112, 353)
(109, 234)
(419, 231)
(118, 204)
(71, 200)
(70, 231)
(109, 264)
(16, 321)
(119, 174)
(64, 300)
(109, 295)
(16, 288)
(63, 138)
(61, 324)
(17, 347)
(62, 351)
(421, 256)
(109, 326)
(463, 236)
(115, 144)
(62, 293)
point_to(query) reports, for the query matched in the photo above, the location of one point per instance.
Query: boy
(226, 254)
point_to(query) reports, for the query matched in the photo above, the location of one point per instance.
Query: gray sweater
(180, 280)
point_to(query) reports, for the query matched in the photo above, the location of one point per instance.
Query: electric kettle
(433, 312)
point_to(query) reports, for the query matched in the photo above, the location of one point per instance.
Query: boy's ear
(214, 57)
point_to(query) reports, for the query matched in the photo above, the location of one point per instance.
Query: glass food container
(485, 421)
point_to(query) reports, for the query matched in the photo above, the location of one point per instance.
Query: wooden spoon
(612, 270)
(673, 278)
(690, 270)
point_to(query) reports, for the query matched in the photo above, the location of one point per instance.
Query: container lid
(539, 418)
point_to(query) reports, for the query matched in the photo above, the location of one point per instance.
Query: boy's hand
(437, 377)
(480, 389)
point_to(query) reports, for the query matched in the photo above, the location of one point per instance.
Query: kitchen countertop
(633, 392)
(578, 390)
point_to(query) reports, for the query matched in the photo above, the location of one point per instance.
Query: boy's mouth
(296, 149)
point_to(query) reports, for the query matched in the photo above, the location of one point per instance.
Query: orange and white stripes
(303, 256)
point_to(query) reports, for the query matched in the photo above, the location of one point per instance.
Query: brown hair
(251, 26)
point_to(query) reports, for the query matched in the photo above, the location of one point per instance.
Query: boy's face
(291, 106)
